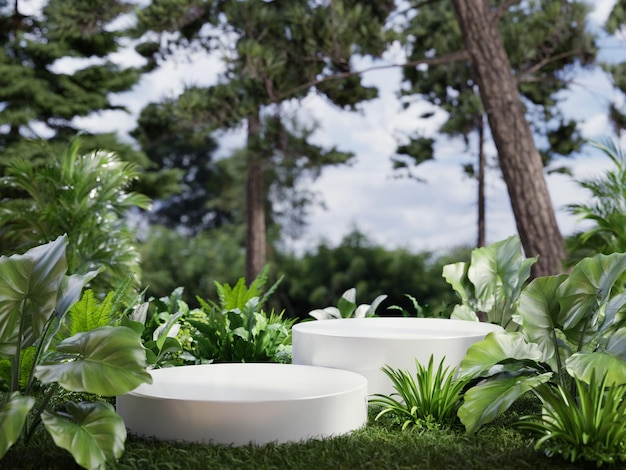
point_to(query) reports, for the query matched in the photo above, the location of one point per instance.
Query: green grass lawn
(381, 445)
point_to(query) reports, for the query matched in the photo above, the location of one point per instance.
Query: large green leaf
(588, 287)
(92, 432)
(496, 348)
(29, 285)
(617, 344)
(489, 399)
(456, 275)
(583, 365)
(496, 267)
(106, 361)
(463, 312)
(539, 311)
(13, 414)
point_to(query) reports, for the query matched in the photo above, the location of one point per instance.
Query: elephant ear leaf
(92, 432)
(489, 399)
(589, 287)
(13, 414)
(584, 365)
(28, 292)
(497, 348)
(106, 361)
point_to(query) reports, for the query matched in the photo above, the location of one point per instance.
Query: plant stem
(15, 375)
(40, 349)
(53, 389)
(559, 364)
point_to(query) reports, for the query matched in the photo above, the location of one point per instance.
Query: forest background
(386, 222)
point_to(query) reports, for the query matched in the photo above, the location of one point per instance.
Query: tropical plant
(431, 398)
(237, 329)
(347, 307)
(572, 326)
(490, 284)
(245, 334)
(606, 211)
(588, 425)
(161, 332)
(100, 357)
(82, 195)
(233, 329)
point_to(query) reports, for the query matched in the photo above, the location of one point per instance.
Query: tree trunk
(255, 203)
(520, 161)
(481, 241)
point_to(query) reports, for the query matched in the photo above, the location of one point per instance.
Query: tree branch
(497, 14)
(524, 76)
(457, 56)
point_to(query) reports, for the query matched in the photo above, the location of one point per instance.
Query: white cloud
(601, 10)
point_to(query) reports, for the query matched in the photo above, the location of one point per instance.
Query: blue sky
(436, 215)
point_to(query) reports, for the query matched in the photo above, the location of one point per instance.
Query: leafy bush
(347, 308)
(84, 351)
(430, 399)
(236, 329)
(571, 327)
(319, 277)
(171, 259)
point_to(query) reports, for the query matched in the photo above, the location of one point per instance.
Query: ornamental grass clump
(428, 400)
(588, 425)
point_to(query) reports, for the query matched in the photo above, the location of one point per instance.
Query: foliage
(419, 311)
(614, 26)
(279, 51)
(589, 425)
(321, 276)
(572, 326)
(233, 329)
(490, 284)
(236, 329)
(347, 307)
(245, 334)
(431, 398)
(82, 195)
(39, 97)
(606, 211)
(171, 259)
(546, 55)
(101, 359)
(162, 334)
(173, 147)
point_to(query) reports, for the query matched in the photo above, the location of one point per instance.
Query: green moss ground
(381, 445)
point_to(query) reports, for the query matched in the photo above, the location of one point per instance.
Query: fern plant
(234, 329)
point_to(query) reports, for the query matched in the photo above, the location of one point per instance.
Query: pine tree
(54, 66)
(281, 51)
